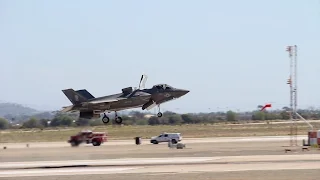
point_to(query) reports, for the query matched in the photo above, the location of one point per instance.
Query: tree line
(168, 118)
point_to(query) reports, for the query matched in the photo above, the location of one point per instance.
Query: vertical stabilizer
(85, 94)
(74, 97)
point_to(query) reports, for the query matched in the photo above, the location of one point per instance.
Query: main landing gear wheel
(105, 118)
(118, 120)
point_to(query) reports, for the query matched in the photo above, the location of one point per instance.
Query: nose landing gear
(159, 113)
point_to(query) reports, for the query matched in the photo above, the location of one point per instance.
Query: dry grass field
(128, 132)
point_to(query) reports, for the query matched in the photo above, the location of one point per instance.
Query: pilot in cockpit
(163, 86)
(159, 87)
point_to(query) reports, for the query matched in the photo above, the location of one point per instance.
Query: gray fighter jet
(95, 107)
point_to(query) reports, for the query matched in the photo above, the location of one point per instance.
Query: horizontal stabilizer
(67, 108)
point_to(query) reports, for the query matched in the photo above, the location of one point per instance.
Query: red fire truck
(88, 137)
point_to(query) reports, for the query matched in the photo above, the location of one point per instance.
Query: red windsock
(265, 106)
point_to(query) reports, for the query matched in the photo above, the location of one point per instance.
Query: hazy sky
(229, 54)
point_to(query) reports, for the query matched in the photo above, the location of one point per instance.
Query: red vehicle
(96, 138)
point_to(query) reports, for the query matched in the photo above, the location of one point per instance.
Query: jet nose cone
(183, 92)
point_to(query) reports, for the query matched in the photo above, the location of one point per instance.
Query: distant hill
(18, 112)
(16, 109)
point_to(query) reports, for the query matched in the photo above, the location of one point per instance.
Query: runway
(163, 165)
(203, 158)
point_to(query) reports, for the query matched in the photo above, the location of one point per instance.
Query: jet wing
(106, 99)
(118, 97)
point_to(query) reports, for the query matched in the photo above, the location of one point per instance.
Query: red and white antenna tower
(292, 82)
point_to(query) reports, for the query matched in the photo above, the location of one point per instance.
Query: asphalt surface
(202, 158)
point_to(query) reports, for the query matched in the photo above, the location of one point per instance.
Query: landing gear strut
(106, 119)
(159, 113)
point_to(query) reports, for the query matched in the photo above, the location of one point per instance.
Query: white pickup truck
(166, 137)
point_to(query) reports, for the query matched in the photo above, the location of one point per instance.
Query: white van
(166, 137)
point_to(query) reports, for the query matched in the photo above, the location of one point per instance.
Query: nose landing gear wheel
(159, 113)
(105, 119)
(118, 120)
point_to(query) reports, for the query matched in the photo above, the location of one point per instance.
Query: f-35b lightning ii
(92, 107)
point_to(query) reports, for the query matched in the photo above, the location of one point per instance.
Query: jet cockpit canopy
(162, 86)
(127, 90)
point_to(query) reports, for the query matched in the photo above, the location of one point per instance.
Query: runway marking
(205, 164)
(106, 162)
(56, 172)
(171, 169)
(158, 161)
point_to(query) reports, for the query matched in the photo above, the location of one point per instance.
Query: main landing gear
(159, 113)
(106, 119)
